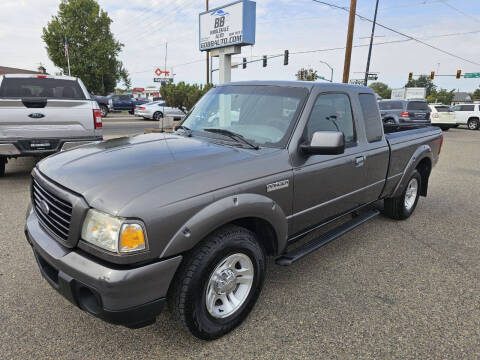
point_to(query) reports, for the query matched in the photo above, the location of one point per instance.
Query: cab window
(332, 112)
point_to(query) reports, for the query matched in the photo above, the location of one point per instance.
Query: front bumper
(124, 295)
(25, 147)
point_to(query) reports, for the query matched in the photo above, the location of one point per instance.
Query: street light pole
(208, 54)
(371, 44)
(348, 51)
(331, 69)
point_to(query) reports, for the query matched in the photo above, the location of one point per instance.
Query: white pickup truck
(43, 114)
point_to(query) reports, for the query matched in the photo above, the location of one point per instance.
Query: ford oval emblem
(44, 207)
(36, 115)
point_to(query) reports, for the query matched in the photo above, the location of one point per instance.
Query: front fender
(423, 151)
(224, 211)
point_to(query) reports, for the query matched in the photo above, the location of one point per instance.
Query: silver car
(157, 110)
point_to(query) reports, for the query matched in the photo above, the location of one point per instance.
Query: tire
(390, 122)
(3, 162)
(398, 208)
(444, 128)
(473, 124)
(104, 110)
(131, 112)
(187, 298)
(157, 116)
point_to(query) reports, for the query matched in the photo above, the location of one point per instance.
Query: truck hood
(110, 174)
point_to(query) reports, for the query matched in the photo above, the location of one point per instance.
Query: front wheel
(218, 283)
(473, 124)
(401, 207)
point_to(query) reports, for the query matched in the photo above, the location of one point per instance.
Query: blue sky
(300, 25)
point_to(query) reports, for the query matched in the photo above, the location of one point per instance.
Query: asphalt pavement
(387, 290)
(120, 124)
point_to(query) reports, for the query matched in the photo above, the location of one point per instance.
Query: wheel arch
(257, 213)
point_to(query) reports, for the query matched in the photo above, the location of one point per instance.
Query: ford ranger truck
(42, 114)
(123, 227)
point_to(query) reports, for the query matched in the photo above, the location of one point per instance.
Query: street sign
(162, 79)
(357, 81)
(372, 77)
(159, 72)
(471, 75)
(233, 24)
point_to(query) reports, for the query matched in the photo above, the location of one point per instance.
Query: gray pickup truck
(120, 227)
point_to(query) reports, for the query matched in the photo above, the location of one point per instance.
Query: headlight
(112, 233)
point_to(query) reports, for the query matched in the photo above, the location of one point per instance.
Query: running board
(309, 247)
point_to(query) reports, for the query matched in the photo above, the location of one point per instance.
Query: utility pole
(371, 44)
(348, 51)
(208, 54)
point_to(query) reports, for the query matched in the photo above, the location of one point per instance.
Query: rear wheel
(401, 207)
(3, 162)
(218, 283)
(104, 110)
(158, 116)
(389, 121)
(473, 124)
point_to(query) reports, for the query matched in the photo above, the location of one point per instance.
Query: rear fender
(423, 151)
(224, 211)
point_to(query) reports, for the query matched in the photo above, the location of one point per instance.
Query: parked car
(404, 113)
(468, 114)
(442, 116)
(102, 102)
(212, 200)
(157, 110)
(43, 114)
(124, 102)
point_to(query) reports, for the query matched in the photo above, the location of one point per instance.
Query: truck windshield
(40, 87)
(264, 115)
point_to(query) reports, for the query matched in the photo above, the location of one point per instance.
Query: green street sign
(471, 75)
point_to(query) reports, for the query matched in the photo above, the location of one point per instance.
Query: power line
(444, 2)
(398, 32)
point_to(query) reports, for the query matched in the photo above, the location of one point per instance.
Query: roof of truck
(60, 77)
(305, 84)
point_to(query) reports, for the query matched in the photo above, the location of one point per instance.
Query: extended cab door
(328, 185)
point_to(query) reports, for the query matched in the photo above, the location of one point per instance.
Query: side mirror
(325, 143)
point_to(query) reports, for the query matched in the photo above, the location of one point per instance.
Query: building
(10, 70)
(461, 97)
(149, 92)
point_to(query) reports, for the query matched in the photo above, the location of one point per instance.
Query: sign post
(224, 30)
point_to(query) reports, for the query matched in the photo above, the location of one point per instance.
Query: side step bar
(309, 247)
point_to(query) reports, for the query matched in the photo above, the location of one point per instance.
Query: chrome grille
(54, 213)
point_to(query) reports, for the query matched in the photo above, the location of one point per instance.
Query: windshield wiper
(232, 135)
(187, 130)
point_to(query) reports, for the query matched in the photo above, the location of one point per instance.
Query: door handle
(359, 161)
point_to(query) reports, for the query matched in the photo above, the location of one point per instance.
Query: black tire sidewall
(104, 109)
(406, 213)
(3, 164)
(473, 121)
(197, 317)
(157, 116)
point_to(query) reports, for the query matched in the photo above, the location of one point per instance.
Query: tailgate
(58, 118)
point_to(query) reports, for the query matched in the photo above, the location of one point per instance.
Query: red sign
(138, 89)
(159, 72)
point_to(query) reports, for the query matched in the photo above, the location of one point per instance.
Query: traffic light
(264, 60)
(410, 76)
(459, 74)
(285, 58)
(244, 63)
(432, 75)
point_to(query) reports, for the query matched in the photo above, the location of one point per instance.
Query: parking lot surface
(406, 290)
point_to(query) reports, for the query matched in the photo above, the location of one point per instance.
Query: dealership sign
(228, 25)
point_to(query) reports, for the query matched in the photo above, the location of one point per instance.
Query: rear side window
(124, 97)
(40, 87)
(443, 108)
(417, 105)
(467, 107)
(390, 105)
(371, 116)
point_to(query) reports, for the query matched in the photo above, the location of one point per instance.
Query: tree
(306, 75)
(92, 48)
(183, 96)
(476, 94)
(382, 89)
(423, 81)
(441, 96)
